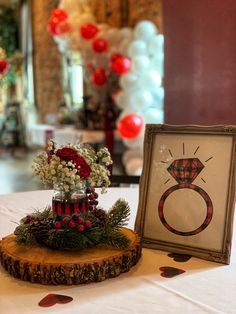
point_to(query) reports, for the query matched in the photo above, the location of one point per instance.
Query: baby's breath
(63, 174)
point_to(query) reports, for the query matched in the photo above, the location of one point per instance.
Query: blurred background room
(97, 71)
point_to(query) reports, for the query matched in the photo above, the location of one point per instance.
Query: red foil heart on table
(180, 257)
(52, 299)
(169, 272)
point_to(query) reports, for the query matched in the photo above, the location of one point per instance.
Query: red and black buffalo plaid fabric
(185, 170)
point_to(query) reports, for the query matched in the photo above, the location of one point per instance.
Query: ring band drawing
(185, 171)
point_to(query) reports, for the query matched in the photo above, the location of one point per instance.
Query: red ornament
(80, 220)
(80, 228)
(88, 30)
(100, 45)
(130, 126)
(72, 224)
(66, 220)
(121, 65)
(60, 14)
(99, 77)
(58, 225)
(88, 223)
(4, 67)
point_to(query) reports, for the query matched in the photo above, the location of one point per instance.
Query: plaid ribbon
(69, 208)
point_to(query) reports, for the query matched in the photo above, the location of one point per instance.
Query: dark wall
(200, 61)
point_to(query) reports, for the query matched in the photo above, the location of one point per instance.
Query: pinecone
(101, 217)
(40, 230)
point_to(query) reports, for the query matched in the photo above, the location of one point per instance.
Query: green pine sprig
(38, 228)
(119, 214)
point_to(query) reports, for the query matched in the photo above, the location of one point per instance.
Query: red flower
(83, 168)
(49, 157)
(67, 153)
(70, 154)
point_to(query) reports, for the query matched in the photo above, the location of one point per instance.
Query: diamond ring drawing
(185, 171)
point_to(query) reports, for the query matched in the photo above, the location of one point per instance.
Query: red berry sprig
(92, 198)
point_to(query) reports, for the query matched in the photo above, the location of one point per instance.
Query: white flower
(65, 174)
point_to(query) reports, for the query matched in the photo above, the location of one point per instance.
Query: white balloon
(140, 99)
(157, 63)
(76, 19)
(136, 143)
(63, 47)
(126, 32)
(112, 35)
(129, 81)
(156, 45)
(158, 98)
(123, 46)
(150, 80)
(137, 47)
(131, 153)
(122, 100)
(140, 64)
(145, 30)
(152, 115)
(134, 166)
(87, 18)
(70, 6)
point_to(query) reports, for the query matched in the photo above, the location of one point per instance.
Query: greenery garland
(99, 227)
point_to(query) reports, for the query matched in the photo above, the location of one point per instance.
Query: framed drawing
(187, 190)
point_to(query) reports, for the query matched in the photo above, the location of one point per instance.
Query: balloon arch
(123, 66)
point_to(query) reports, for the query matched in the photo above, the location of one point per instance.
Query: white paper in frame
(187, 190)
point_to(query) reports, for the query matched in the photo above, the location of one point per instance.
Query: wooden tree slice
(43, 265)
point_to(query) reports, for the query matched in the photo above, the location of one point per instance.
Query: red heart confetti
(169, 272)
(180, 257)
(52, 299)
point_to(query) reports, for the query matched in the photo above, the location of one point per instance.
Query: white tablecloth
(205, 287)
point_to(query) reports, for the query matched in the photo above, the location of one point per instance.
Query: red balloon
(88, 30)
(130, 126)
(114, 56)
(57, 24)
(121, 65)
(100, 45)
(60, 14)
(99, 77)
(4, 67)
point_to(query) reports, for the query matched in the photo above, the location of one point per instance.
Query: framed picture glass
(187, 190)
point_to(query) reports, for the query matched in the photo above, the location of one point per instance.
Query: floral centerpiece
(70, 168)
(74, 221)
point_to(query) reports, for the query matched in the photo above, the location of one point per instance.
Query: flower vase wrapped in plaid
(73, 171)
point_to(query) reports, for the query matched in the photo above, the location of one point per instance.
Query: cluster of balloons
(103, 49)
(125, 64)
(141, 94)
